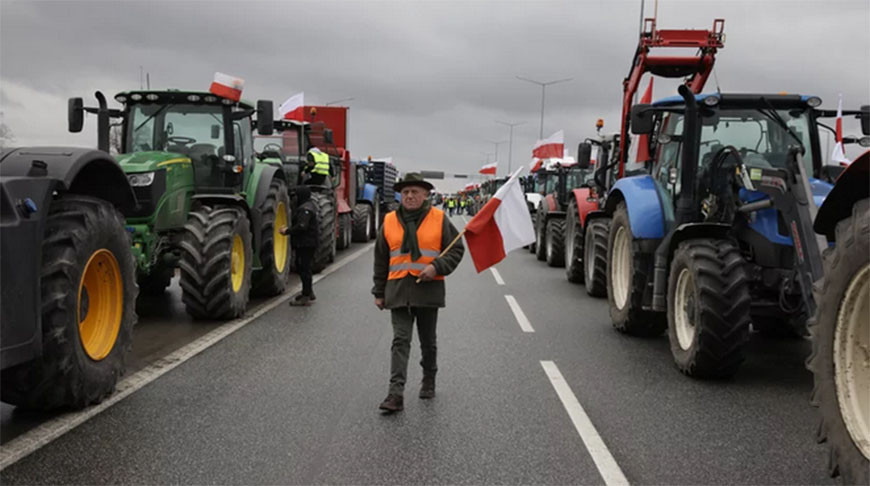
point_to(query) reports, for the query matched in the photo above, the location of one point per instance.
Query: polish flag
(640, 149)
(535, 165)
(501, 226)
(227, 86)
(489, 168)
(839, 154)
(293, 108)
(551, 147)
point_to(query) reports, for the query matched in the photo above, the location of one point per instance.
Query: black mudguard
(29, 179)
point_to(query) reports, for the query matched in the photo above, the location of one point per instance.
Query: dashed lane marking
(604, 461)
(497, 276)
(520, 316)
(45, 433)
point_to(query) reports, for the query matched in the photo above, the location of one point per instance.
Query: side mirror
(215, 131)
(75, 114)
(641, 119)
(584, 155)
(265, 112)
(327, 136)
(865, 119)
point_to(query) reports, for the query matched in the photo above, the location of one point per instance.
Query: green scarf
(410, 220)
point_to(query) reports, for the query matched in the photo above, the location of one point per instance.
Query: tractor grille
(147, 197)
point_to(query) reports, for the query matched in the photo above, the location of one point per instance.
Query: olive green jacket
(406, 292)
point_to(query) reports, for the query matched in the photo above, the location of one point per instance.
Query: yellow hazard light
(599, 123)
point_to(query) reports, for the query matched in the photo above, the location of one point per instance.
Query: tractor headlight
(141, 179)
(814, 101)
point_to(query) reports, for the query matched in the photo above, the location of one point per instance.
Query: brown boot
(427, 389)
(393, 403)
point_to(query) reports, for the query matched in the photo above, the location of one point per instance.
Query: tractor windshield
(761, 140)
(181, 128)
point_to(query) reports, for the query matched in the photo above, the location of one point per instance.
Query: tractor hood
(149, 161)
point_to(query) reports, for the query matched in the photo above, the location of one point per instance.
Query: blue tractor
(718, 235)
(367, 209)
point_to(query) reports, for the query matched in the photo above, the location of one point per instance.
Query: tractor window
(669, 149)
(244, 144)
(181, 128)
(761, 141)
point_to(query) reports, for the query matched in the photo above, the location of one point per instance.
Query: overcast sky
(427, 79)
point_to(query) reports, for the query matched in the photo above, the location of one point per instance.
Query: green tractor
(204, 203)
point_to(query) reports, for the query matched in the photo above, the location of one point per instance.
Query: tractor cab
(289, 145)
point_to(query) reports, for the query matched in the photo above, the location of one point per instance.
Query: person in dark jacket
(304, 236)
(409, 272)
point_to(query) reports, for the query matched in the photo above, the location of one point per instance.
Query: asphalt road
(292, 398)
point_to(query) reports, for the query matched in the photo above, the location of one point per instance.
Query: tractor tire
(556, 242)
(375, 220)
(595, 257)
(342, 241)
(540, 234)
(87, 268)
(573, 244)
(708, 308)
(840, 336)
(155, 283)
(216, 260)
(362, 223)
(626, 279)
(271, 278)
(325, 253)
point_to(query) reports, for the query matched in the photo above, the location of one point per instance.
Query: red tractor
(586, 259)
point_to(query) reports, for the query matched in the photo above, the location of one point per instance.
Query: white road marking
(522, 320)
(45, 433)
(497, 276)
(604, 461)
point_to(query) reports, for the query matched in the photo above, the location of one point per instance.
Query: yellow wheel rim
(100, 304)
(280, 242)
(237, 271)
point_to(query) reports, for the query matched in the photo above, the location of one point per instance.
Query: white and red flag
(501, 226)
(293, 108)
(227, 86)
(536, 164)
(489, 169)
(839, 154)
(550, 147)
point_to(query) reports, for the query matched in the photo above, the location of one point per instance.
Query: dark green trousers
(403, 329)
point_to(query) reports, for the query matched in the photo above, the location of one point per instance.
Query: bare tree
(7, 138)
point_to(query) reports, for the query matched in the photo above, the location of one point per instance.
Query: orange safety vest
(428, 238)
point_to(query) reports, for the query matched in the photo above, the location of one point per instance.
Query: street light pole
(543, 85)
(496, 144)
(510, 141)
(337, 101)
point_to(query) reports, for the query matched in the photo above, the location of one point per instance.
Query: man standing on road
(409, 275)
(304, 238)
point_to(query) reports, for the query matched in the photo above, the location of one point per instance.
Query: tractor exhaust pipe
(102, 123)
(687, 208)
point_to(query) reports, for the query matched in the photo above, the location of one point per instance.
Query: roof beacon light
(814, 101)
(599, 123)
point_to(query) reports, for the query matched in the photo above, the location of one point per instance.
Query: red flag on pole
(839, 154)
(489, 168)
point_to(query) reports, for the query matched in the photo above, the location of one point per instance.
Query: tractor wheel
(541, 234)
(627, 275)
(840, 333)
(708, 308)
(595, 257)
(573, 244)
(216, 258)
(271, 279)
(342, 241)
(88, 297)
(362, 223)
(325, 253)
(556, 242)
(156, 282)
(375, 219)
